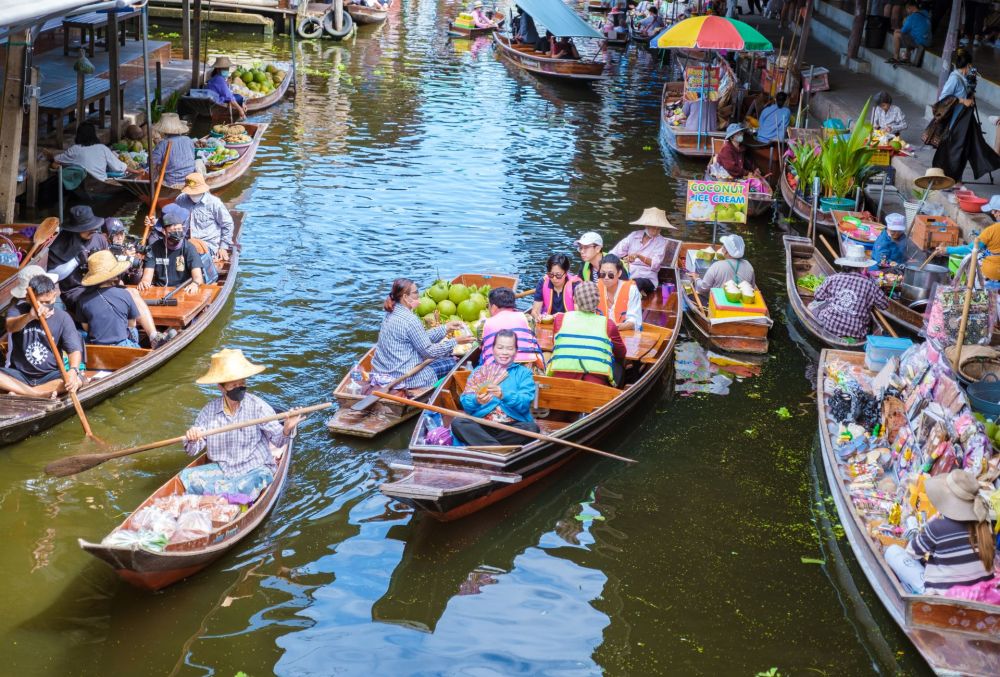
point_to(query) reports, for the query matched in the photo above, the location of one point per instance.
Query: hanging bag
(942, 321)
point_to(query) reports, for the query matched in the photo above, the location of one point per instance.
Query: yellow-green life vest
(582, 345)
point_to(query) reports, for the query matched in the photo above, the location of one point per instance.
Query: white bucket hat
(734, 245)
(855, 257)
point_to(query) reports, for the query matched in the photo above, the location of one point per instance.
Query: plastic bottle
(355, 387)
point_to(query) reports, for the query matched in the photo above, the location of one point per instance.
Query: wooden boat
(457, 30)
(758, 203)
(216, 179)
(450, 482)
(955, 637)
(733, 336)
(364, 15)
(21, 239)
(598, 7)
(526, 58)
(113, 368)
(207, 108)
(676, 138)
(385, 415)
(802, 258)
(803, 208)
(154, 570)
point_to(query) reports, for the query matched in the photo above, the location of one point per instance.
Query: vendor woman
(989, 243)
(219, 84)
(889, 250)
(734, 267)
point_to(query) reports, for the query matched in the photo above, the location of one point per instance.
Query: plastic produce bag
(125, 538)
(154, 519)
(192, 525)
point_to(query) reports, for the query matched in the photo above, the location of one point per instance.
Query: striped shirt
(403, 343)
(945, 545)
(239, 451)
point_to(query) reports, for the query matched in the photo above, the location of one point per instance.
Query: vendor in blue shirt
(774, 120)
(219, 84)
(889, 250)
(916, 31)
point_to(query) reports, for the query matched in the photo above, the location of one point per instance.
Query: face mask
(738, 138)
(237, 393)
(197, 198)
(174, 241)
(224, 74)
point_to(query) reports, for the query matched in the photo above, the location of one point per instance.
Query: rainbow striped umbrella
(712, 32)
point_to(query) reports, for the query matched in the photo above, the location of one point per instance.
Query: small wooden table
(92, 24)
(59, 103)
(187, 308)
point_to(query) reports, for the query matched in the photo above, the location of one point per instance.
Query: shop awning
(557, 17)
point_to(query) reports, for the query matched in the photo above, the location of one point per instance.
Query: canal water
(409, 154)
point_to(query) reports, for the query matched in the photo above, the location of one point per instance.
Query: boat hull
(803, 209)
(366, 16)
(563, 69)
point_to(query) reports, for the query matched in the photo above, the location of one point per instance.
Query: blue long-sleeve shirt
(519, 391)
(180, 163)
(918, 27)
(886, 251)
(773, 123)
(956, 86)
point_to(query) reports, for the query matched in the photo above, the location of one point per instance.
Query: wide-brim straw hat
(956, 496)
(171, 123)
(195, 184)
(855, 257)
(222, 62)
(935, 175)
(653, 217)
(25, 276)
(229, 364)
(103, 266)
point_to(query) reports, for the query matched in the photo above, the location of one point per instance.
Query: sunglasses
(608, 276)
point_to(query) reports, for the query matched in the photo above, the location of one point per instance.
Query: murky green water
(409, 154)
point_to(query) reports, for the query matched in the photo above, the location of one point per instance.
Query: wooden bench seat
(112, 358)
(59, 103)
(92, 24)
(558, 394)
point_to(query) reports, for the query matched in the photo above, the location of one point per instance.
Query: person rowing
(218, 84)
(240, 461)
(643, 250)
(843, 304)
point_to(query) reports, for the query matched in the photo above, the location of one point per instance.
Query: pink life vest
(527, 344)
(567, 293)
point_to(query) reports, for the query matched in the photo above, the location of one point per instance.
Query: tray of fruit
(221, 156)
(238, 140)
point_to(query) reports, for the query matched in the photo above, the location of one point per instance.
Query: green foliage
(773, 672)
(805, 164)
(844, 162)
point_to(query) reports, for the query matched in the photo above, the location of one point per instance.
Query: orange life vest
(619, 306)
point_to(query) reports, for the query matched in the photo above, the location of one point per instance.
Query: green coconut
(426, 305)
(446, 308)
(479, 300)
(468, 310)
(438, 291)
(458, 293)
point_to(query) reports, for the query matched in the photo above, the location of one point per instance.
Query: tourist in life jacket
(554, 292)
(508, 402)
(591, 248)
(620, 300)
(644, 249)
(587, 346)
(505, 316)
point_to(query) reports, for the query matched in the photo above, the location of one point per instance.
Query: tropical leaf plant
(805, 163)
(845, 161)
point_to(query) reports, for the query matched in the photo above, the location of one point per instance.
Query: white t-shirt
(96, 159)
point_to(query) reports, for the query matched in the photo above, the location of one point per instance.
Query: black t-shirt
(106, 311)
(29, 351)
(179, 263)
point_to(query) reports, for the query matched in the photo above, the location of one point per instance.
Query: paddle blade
(72, 465)
(363, 404)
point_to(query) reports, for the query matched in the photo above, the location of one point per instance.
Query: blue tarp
(559, 18)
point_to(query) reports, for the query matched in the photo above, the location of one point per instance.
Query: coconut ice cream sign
(722, 201)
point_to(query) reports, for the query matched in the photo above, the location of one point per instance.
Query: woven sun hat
(82, 220)
(956, 496)
(895, 222)
(589, 238)
(103, 266)
(25, 276)
(171, 123)
(228, 365)
(855, 257)
(222, 62)
(941, 182)
(195, 184)
(653, 217)
(734, 245)
(733, 129)
(586, 297)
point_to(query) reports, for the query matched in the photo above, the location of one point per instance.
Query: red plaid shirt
(843, 304)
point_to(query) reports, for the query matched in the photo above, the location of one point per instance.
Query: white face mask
(197, 198)
(738, 138)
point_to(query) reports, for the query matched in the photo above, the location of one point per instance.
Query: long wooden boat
(385, 415)
(207, 108)
(526, 58)
(364, 15)
(803, 208)
(676, 138)
(153, 570)
(955, 637)
(217, 179)
(758, 203)
(732, 336)
(450, 482)
(802, 258)
(21, 238)
(113, 368)
(457, 30)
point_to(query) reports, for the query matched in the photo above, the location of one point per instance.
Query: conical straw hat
(229, 365)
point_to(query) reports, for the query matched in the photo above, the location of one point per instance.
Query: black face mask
(237, 393)
(173, 240)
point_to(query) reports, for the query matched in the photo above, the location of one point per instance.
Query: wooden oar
(156, 194)
(875, 311)
(499, 426)
(62, 368)
(927, 260)
(524, 294)
(45, 230)
(75, 464)
(368, 401)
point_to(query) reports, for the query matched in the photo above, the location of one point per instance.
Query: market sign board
(722, 201)
(697, 79)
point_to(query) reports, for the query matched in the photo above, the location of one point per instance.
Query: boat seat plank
(112, 358)
(547, 427)
(187, 308)
(564, 394)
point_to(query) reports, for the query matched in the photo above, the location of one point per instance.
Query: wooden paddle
(368, 401)
(927, 260)
(499, 426)
(967, 303)
(156, 194)
(875, 311)
(72, 465)
(45, 230)
(62, 368)
(524, 294)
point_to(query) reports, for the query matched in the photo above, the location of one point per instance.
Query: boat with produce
(434, 309)
(110, 369)
(465, 28)
(873, 483)
(805, 271)
(152, 560)
(730, 330)
(760, 194)
(19, 244)
(228, 152)
(450, 482)
(260, 87)
(365, 16)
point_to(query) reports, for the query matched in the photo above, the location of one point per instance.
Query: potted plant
(844, 162)
(804, 163)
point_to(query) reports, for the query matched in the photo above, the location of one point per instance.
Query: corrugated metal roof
(557, 17)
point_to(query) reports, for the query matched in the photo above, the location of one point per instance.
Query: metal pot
(912, 294)
(925, 278)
